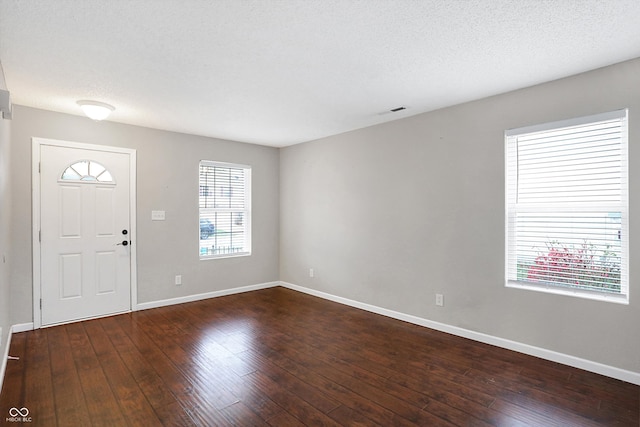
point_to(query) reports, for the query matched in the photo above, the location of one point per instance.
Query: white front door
(85, 226)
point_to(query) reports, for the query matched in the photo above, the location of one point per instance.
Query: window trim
(247, 209)
(624, 295)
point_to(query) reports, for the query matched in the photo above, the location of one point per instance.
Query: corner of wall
(5, 231)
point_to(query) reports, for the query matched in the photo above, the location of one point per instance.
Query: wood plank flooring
(281, 358)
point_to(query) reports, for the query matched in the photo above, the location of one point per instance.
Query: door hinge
(40, 236)
(40, 303)
(39, 167)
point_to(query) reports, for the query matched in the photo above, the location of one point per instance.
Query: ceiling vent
(393, 110)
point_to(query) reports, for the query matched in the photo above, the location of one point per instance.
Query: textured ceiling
(280, 72)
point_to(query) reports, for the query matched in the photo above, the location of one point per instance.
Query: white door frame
(36, 143)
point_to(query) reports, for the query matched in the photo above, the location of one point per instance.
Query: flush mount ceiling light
(96, 110)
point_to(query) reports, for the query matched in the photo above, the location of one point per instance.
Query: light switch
(157, 215)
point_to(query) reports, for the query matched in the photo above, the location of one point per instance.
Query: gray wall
(5, 226)
(392, 214)
(388, 215)
(167, 172)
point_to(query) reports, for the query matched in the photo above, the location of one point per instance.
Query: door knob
(124, 243)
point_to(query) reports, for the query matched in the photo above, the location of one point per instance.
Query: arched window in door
(87, 171)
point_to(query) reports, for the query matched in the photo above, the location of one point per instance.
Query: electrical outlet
(311, 272)
(178, 279)
(440, 300)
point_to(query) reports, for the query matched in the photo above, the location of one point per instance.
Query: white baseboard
(565, 359)
(22, 327)
(198, 297)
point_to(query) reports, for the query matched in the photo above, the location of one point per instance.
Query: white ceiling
(280, 72)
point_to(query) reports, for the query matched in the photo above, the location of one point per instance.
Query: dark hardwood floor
(281, 358)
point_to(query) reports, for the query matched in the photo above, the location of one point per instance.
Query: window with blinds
(567, 207)
(225, 209)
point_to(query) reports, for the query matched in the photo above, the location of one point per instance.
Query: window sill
(234, 255)
(579, 293)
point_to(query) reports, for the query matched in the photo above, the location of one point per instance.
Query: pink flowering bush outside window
(580, 267)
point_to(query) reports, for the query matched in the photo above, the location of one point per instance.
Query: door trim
(36, 143)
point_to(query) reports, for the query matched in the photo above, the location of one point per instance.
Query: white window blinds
(225, 214)
(567, 205)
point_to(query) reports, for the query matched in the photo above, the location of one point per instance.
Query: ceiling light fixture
(96, 110)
